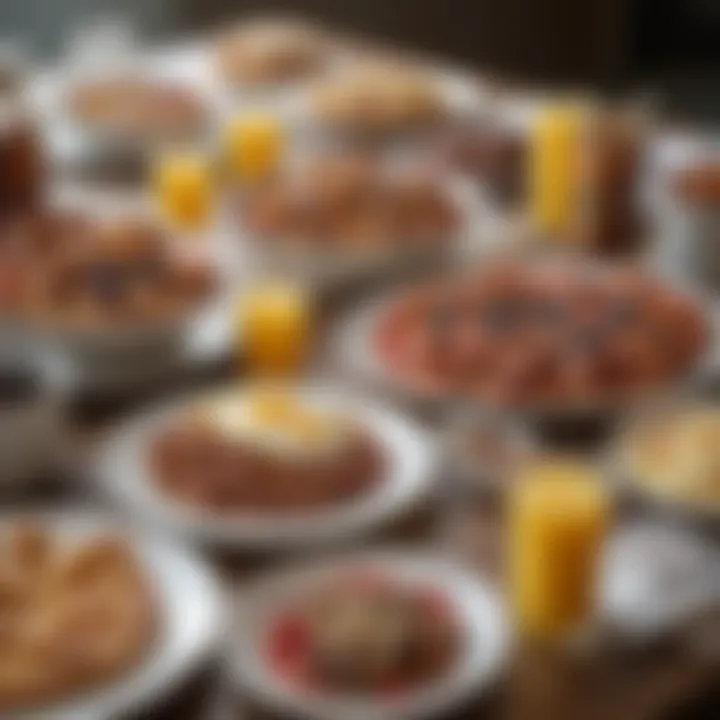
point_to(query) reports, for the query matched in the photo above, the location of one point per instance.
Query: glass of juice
(254, 144)
(558, 520)
(184, 188)
(274, 322)
(553, 166)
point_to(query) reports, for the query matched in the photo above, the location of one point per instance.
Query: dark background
(669, 46)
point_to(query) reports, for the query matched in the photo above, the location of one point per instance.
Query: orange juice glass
(558, 519)
(274, 321)
(553, 167)
(184, 188)
(254, 145)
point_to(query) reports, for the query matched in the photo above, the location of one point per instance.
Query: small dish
(123, 467)
(657, 579)
(103, 147)
(473, 606)
(666, 453)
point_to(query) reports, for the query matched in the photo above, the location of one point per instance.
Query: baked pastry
(268, 452)
(365, 634)
(678, 455)
(73, 614)
(259, 54)
(68, 270)
(350, 203)
(379, 98)
(547, 334)
(136, 108)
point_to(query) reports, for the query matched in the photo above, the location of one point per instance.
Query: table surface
(611, 683)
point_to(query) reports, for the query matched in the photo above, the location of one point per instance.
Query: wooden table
(611, 684)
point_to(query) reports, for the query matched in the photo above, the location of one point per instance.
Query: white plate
(75, 144)
(412, 459)
(476, 605)
(656, 577)
(191, 615)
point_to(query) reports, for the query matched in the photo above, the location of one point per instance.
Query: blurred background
(669, 48)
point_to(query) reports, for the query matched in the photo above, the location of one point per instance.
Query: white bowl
(475, 604)
(121, 465)
(75, 143)
(191, 616)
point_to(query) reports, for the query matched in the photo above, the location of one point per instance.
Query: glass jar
(23, 168)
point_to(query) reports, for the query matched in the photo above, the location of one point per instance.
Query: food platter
(474, 603)
(121, 469)
(190, 607)
(354, 348)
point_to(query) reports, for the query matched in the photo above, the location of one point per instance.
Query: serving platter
(353, 346)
